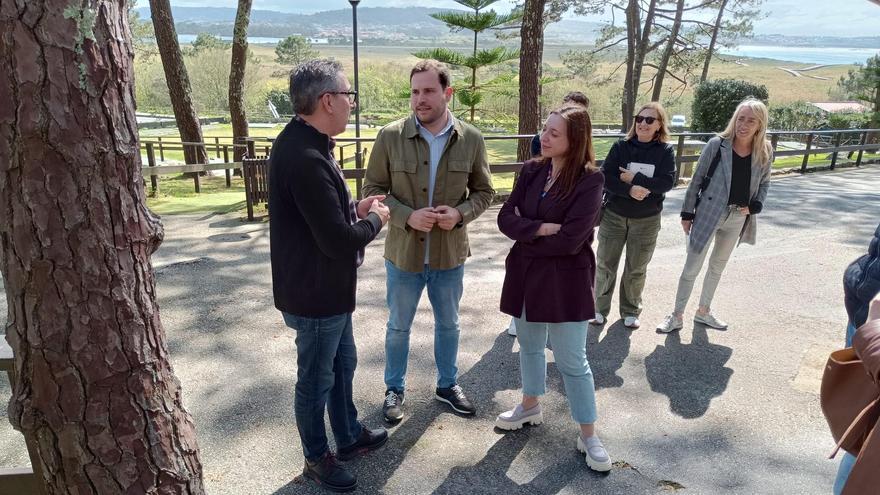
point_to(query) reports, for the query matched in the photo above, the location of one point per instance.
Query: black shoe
(327, 473)
(391, 408)
(454, 396)
(368, 440)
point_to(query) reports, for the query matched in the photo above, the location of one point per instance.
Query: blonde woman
(639, 170)
(731, 196)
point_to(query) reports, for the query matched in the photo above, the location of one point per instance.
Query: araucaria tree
(477, 21)
(95, 391)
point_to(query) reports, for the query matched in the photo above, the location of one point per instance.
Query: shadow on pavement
(691, 375)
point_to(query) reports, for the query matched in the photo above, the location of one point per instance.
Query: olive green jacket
(398, 167)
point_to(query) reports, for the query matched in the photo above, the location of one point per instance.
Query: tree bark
(715, 30)
(178, 81)
(530, 63)
(667, 53)
(637, 49)
(95, 390)
(236, 77)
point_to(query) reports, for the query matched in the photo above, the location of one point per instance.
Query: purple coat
(553, 275)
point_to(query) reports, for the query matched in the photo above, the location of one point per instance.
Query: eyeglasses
(352, 95)
(647, 120)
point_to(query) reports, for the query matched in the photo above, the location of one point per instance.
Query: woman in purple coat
(550, 272)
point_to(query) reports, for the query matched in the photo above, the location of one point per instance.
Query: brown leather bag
(850, 400)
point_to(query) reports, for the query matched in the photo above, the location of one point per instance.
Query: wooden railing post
(679, 151)
(20, 481)
(154, 179)
(161, 150)
(251, 148)
(228, 171)
(807, 152)
(217, 145)
(774, 142)
(862, 142)
(836, 145)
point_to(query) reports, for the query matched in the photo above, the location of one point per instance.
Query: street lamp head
(354, 3)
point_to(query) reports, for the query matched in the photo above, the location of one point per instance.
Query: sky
(789, 17)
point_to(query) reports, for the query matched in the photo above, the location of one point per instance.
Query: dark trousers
(325, 358)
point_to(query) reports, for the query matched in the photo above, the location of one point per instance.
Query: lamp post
(357, 108)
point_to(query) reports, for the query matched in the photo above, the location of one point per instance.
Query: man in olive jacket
(433, 170)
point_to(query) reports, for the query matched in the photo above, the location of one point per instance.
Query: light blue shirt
(436, 145)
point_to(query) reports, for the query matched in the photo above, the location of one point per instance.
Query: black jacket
(661, 155)
(861, 282)
(315, 247)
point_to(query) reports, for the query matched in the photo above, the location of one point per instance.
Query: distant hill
(373, 22)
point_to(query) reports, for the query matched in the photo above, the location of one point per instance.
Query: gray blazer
(714, 201)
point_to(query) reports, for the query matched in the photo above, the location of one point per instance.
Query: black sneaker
(327, 473)
(391, 408)
(368, 440)
(454, 396)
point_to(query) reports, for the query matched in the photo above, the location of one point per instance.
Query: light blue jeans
(846, 464)
(404, 289)
(569, 342)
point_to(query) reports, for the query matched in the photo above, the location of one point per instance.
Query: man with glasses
(318, 235)
(434, 169)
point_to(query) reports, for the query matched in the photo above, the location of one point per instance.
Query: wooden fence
(815, 142)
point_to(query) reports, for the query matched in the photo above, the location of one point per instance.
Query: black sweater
(861, 282)
(661, 155)
(315, 249)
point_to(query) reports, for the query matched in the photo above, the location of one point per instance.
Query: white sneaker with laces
(632, 322)
(709, 320)
(598, 320)
(596, 455)
(670, 324)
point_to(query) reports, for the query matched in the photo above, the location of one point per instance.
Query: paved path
(701, 410)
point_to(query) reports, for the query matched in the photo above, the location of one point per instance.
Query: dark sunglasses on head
(647, 120)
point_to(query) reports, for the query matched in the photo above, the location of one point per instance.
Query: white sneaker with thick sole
(511, 330)
(598, 320)
(517, 417)
(670, 324)
(632, 322)
(709, 320)
(596, 455)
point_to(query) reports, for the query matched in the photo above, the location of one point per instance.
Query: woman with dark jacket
(549, 273)
(861, 282)
(639, 170)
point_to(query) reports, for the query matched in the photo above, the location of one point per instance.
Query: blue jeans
(569, 342)
(325, 360)
(846, 464)
(404, 291)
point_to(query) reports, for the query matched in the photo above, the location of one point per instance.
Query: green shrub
(797, 116)
(715, 102)
(849, 120)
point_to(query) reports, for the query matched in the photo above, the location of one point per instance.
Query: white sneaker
(709, 320)
(511, 330)
(517, 417)
(598, 320)
(632, 322)
(596, 455)
(670, 324)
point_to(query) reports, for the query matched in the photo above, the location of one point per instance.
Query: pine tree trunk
(714, 39)
(640, 36)
(667, 54)
(178, 81)
(95, 390)
(530, 60)
(236, 77)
